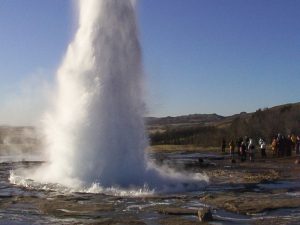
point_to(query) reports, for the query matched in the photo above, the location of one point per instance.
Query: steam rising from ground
(23, 103)
(95, 133)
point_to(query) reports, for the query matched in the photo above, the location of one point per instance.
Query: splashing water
(95, 132)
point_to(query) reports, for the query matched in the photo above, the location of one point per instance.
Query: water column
(95, 132)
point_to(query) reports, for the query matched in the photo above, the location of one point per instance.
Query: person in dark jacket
(281, 145)
(243, 153)
(298, 145)
(288, 146)
(223, 145)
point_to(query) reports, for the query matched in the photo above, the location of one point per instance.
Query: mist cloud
(24, 103)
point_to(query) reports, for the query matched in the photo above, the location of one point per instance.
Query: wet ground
(260, 192)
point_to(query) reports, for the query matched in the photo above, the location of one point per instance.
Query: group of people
(284, 145)
(246, 147)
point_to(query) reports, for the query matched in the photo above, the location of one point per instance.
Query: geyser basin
(95, 131)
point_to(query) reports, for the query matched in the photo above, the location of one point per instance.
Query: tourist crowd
(246, 147)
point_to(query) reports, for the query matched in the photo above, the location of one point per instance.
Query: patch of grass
(187, 148)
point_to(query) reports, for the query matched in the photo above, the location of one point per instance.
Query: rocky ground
(266, 191)
(245, 188)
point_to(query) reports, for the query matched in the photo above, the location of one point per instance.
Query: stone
(205, 215)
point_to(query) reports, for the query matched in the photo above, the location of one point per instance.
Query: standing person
(262, 144)
(247, 139)
(242, 150)
(238, 144)
(288, 146)
(223, 145)
(298, 145)
(281, 145)
(294, 141)
(231, 148)
(251, 150)
(275, 147)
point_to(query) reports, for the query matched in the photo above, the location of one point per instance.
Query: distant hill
(195, 129)
(209, 129)
(187, 119)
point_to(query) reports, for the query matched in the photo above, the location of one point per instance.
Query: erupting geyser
(95, 132)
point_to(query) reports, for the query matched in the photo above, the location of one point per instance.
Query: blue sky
(200, 56)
